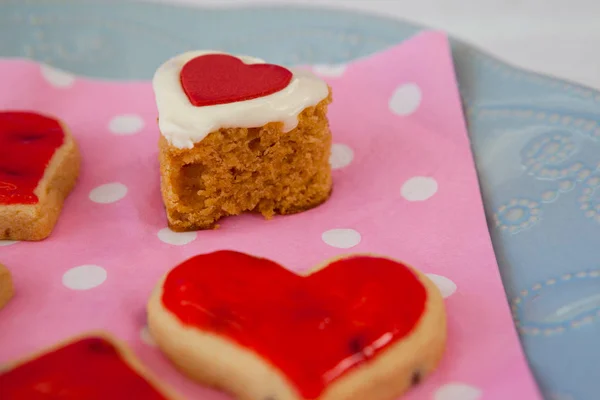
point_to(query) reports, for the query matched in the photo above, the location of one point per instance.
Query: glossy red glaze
(313, 328)
(88, 369)
(27, 143)
(219, 78)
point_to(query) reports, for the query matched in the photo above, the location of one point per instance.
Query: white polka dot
(127, 124)
(108, 193)
(341, 238)
(457, 391)
(341, 155)
(406, 99)
(445, 285)
(333, 71)
(146, 337)
(176, 238)
(419, 188)
(57, 77)
(84, 277)
(7, 242)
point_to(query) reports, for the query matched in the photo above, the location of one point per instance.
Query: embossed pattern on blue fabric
(536, 143)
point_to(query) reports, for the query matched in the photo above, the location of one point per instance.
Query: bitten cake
(359, 327)
(90, 367)
(6, 286)
(239, 135)
(39, 165)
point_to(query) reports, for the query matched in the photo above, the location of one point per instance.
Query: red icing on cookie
(27, 143)
(219, 78)
(312, 328)
(88, 369)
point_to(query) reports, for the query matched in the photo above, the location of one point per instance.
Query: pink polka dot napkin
(405, 186)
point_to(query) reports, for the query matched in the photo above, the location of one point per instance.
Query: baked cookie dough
(39, 165)
(359, 327)
(95, 366)
(7, 290)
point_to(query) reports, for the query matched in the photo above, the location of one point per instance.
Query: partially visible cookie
(360, 327)
(6, 286)
(39, 165)
(90, 367)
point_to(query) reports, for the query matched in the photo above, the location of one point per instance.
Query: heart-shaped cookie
(27, 143)
(309, 332)
(213, 79)
(93, 367)
(39, 166)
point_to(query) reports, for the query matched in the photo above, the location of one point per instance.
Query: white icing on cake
(184, 124)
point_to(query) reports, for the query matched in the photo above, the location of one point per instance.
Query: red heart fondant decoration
(27, 143)
(220, 78)
(91, 369)
(309, 327)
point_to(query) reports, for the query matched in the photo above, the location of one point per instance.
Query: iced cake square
(239, 135)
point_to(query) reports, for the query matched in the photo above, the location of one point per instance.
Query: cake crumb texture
(236, 170)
